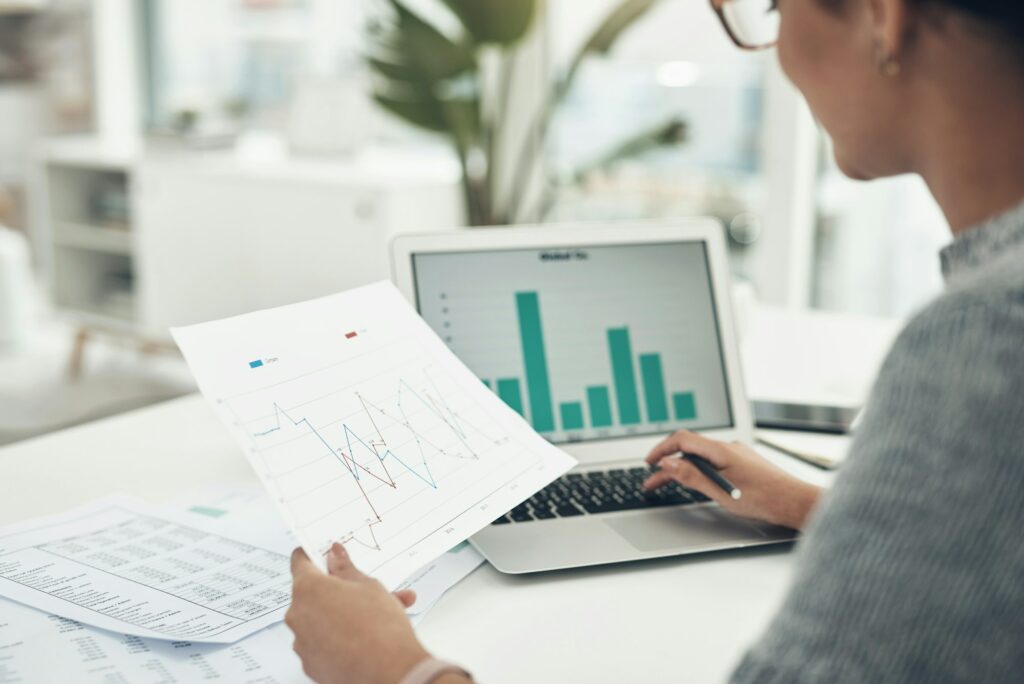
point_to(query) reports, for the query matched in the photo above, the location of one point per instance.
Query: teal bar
(685, 405)
(624, 376)
(654, 387)
(538, 385)
(487, 384)
(572, 415)
(509, 392)
(600, 406)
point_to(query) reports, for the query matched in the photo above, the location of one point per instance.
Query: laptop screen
(585, 342)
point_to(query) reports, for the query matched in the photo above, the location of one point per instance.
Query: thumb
(339, 564)
(301, 565)
(407, 597)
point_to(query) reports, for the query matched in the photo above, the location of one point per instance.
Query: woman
(912, 567)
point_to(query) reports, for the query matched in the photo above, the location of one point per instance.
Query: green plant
(437, 82)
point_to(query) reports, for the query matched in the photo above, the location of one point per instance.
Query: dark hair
(1007, 16)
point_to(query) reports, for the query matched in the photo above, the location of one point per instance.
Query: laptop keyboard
(601, 491)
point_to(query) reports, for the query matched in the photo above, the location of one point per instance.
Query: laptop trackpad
(682, 527)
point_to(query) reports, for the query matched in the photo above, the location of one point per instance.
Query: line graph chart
(364, 443)
(381, 440)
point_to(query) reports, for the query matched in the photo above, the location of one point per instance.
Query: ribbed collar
(983, 244)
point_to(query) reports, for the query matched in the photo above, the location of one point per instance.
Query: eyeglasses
(752, 24)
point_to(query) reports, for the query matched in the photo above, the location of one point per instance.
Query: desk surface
(677, 619)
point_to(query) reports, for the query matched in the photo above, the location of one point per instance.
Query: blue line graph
(429, 479)
(351, 444)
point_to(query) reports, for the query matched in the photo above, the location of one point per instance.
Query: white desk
(672, 620)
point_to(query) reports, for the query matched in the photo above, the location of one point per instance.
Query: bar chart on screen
(570, 415)
(585, 343)
(365, 429)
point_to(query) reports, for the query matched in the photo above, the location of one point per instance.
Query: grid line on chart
(377, 446)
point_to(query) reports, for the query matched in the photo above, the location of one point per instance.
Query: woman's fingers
(685, 441)
(685, 473)
(658, 478)
(407, 597)
(339, 564)
(769, 493)
(663, 448)
(301, 565)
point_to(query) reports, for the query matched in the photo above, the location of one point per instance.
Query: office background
(166, 161)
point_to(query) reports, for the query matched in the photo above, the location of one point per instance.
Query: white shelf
(91, 262)
(22, 6)
(90, 153)
(96, 238)
(99, 316)
(202, 228)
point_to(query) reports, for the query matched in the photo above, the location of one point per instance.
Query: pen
(704, 466)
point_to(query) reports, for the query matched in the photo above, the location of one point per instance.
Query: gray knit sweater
(912, 569)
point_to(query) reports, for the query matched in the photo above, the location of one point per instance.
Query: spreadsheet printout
(36, 646)
(130, 568)
(237, 509)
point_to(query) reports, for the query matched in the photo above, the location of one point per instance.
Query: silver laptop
(605, 338)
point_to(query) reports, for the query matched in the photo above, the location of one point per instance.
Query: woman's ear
(890, 20)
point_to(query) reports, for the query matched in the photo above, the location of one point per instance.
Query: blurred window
(676, 63)
(876, 244)
(225, 65)
(218, 65)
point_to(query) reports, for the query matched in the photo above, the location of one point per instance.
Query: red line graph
(377, 447)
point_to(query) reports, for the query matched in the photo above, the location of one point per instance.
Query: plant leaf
(602, 40)
(412, 42)
(457, 117)
(674, 131)
(393, 70)
(503, 22)
(418, 70)
(462, 117)
(425, 112)
(606, 35)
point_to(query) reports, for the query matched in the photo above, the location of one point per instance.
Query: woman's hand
(347, 627)
(769, 493)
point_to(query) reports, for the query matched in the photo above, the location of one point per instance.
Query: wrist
(430, 670)
(453, 678)
(801, 504)
(403, 664)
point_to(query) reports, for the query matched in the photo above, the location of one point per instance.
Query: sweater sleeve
(912, 569)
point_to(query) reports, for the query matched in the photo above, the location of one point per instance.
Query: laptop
(605, 338)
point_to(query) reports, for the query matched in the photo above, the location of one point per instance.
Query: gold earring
(887, 64)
